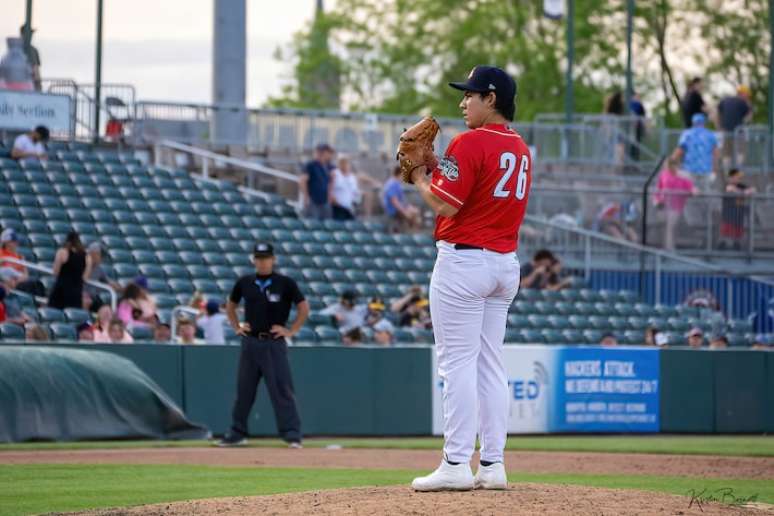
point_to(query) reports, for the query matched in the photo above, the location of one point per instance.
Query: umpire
(268, 297)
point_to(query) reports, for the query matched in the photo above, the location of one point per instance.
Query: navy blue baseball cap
(483, 79)
(263, 250)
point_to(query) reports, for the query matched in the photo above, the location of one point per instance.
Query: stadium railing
(697, 232)
(661, 277)
(48, 271)
(166, 151)
(603, 145)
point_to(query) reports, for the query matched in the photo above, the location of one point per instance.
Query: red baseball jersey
(486, 173)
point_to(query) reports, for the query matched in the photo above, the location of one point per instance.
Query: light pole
(98, 74)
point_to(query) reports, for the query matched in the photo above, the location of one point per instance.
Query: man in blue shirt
(698, 150)
(316, 183)
(401, 214)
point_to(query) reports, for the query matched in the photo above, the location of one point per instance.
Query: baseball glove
(416, 147)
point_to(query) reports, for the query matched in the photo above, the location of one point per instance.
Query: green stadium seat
(185, 245)
(543, 308)
(63, 331)
(326, 334)
(637, 323)
(181, 286)
(126, 270)
(198, 271)
(594, 336)
(175, 271)
(530, 336)
(323, 262)
(559, 322)
(305, 335)
(152, 270)
(573, 336)
(598, 322)
(632, 337)
(47, 314)
(10, 331)
(76, 316)
(538, 321)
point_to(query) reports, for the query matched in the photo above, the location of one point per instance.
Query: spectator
(92, 295)
(375, 319)
(117, 332)
(735, 211)
(733, 112)
(692, 102)
(31, 144)
(136, 306)
(212, 323)
(672, 192)
(345, 190)
(617, 220)
(614, 107)
(637, 108)
(718, 342)
(654, 337)
(695, 338)
(347, 314)
(162, 333)
(608, 339)
(186, 332)
(2, 304)
(557, 279)
(536, 273)
(9, 242)
(13, 311)
(698, 151)
(413, 309)
(85, 332)
(36, 333)
(102, 324)
(71, 267)
(353, 337)
(33, 58)
(401, 215)
(316, 184)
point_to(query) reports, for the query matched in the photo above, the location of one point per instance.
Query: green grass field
(33, 489)
(749, 446)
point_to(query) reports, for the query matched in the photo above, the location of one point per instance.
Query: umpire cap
(263, 250)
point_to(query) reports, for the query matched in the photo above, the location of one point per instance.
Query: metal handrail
(237, 162)
(631, 246)
(48, 270)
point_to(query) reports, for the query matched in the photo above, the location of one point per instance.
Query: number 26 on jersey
(508, 162)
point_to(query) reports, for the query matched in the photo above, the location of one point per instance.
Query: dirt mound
(519, 499)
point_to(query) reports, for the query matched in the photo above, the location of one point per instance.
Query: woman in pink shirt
(672, 192)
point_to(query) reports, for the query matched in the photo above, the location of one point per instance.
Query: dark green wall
(345, 391)
(730, 391)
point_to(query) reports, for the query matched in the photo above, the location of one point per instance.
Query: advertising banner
(21, 110)
(575, 389)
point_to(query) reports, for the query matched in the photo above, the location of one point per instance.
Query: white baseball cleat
(491, 477)
(446, 478)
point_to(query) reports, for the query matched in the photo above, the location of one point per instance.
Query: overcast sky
(163, 47)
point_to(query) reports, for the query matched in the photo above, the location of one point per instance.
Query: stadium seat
(63, 331)
(326, 334)
(76, 315)
(47, 314)
(10, 331)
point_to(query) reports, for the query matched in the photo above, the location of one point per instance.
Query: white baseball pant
(470, 292)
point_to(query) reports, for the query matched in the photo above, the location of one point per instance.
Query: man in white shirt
(212, 323)
(345, 192)
(347, 313)
(31, 144)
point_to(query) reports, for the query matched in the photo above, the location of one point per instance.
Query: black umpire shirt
(268, 300)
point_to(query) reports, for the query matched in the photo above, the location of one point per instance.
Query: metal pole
(770, 146)
(629, 87)
(98, 74)
(28, 27)
(569, 101)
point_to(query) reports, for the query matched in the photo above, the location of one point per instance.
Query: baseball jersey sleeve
(454, 177)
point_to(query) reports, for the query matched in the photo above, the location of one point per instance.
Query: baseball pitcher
(479, 191)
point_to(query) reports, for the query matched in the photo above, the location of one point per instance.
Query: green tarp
(71, 394)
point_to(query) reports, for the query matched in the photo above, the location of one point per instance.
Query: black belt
(265, 335)
(462, 247)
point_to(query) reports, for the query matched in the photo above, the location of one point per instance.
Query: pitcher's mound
(519, 499)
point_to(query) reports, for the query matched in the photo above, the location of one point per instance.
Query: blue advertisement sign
(606, 390)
